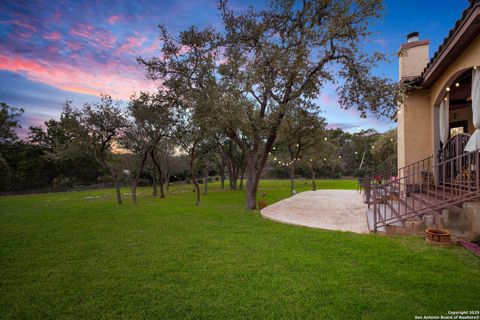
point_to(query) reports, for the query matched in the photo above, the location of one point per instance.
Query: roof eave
(465, 31)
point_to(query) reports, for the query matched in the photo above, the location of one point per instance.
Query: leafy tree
(151, 123)
(385, 149)
(284, 54)
(102, 126)
(9, 123)
(55, 139)
(299, 133)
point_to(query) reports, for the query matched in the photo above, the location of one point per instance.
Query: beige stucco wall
(414, 129)
(416, 121)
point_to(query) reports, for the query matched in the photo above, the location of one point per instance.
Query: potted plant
(262, 203)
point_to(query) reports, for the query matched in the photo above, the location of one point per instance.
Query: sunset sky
(51, 51)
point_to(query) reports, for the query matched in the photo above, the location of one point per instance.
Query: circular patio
(341, 210)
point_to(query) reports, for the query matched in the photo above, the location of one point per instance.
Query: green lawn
(79, 255)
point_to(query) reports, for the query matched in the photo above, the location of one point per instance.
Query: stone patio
(341, 210)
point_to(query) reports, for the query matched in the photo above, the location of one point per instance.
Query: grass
(79, 255)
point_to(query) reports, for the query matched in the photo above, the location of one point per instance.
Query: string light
(457, 84)
(373, 147)
(339, 157)
(475, 67)
(274, 159)
(445, 99)
(325, 138)
(356, 152)
(448, 89)
(324, 159)
(391, 139)
(298, 145)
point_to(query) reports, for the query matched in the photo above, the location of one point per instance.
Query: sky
(52, 51)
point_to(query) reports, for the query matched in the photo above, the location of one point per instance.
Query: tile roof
(450, 35)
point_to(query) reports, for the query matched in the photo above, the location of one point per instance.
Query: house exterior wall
(414, 128)
(416, 122)
(470, 57)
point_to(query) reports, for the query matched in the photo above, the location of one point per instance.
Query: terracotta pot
(262, 204)
(438, 236)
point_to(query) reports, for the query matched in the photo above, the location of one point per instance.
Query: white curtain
(474, 141)
(444, 115)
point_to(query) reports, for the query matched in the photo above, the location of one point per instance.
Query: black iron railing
(414, 191)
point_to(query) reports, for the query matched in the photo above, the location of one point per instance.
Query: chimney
(413, 56)
(413, 36)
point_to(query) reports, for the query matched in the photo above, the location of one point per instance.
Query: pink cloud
(114, 19)
(133, 42)
(24, 23)
(55, 36)
(73, 46)
(328, 99)
(114, 77)
(95, 36)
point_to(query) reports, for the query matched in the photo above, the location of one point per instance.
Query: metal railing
(414, 192)
(366, 184)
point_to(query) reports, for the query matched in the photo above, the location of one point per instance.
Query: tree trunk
(135, 178)
(222, 177)
(205, 180)
(292, 180)
(155, 183)
(194, 179)
(314, 183)
(162, 192)
(159, 169)
(167, 178)
(232, 180)
(117, 186)
(242, 174)
(133, 187)
(167, 173)
(252, 181)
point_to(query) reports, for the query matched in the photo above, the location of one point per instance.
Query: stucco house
(438, 130)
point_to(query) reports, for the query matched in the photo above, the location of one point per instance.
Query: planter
(437, 236)
(262, 204)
